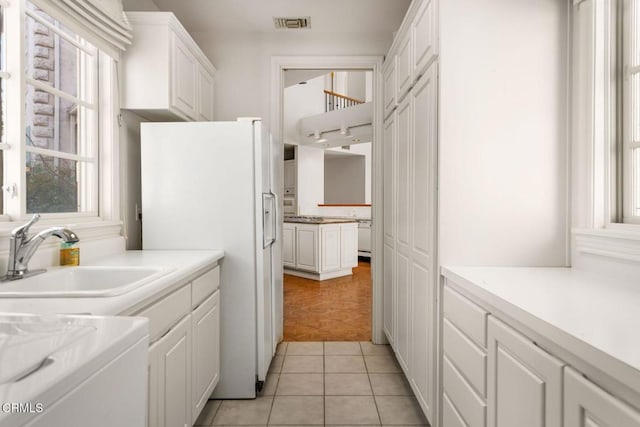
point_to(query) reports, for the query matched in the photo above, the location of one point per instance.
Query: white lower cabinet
(170, 360)
(184, 355)
(307, 247)
(289, 245)
(587, 405)
(525, 382)
(348, 245)
(512, 381)
(464, 361)
(205, 326)
(330, 248)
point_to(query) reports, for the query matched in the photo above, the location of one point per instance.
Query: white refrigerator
(217, 185)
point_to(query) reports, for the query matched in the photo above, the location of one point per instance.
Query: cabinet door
(290, 176)
(205, 329)
(183, 77)
(422, 241)
(424, 38)
(349, 239)
(524, 382)
(289, 245)
(330, 248)
(403, 316)
(154, 395)
(172, 355)
(307, 247)
(389, 85)
(389, 186)
(404, 68)
(389, 294)
(587, 405)
(205, 94)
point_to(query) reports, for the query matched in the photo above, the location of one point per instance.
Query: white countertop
(592, 316)
(185, 266)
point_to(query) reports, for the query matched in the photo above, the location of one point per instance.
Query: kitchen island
(319, 248)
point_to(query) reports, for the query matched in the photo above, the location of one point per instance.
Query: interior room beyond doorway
(328, 130)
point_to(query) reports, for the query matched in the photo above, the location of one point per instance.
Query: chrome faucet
(22, 247)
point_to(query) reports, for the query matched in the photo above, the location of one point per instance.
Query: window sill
(88, 228)
(617, 242)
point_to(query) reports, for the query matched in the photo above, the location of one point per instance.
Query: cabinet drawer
(470, 359)
(166, 313)
(466, 316)
(472, 409)
(450, 416)
(204, 286)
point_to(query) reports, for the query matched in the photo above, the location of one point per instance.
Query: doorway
(350, 305)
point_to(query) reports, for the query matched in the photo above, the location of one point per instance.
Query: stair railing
(336, 101)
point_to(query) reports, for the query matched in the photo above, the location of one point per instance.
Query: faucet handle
(24, 229)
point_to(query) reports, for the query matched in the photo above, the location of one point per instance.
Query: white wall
(243, 63)
(503, 132)
(301, 101)
(310, 179)
(344, 180)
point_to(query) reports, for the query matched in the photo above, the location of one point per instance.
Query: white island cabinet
(320, 251)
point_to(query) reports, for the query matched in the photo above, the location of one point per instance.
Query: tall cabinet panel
(403, 235)
(389, 295)
(423, 212)
(409, 186)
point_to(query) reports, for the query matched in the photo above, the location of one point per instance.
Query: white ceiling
(256, 16)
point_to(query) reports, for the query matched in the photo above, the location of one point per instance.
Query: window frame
(626, 137)
(596, 146)
(106, 215)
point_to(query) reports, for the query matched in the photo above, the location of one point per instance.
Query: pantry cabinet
(410, 141)
(165, 74)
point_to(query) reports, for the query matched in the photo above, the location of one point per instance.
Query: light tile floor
(330, 383)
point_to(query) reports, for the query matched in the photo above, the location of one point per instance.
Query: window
(61, 117)
(630, 134)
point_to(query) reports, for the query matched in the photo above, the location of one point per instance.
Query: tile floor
(325, 383)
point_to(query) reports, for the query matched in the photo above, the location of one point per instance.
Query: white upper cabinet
(423, 31)
(205, 95)
(404, 68)
(166, 75)
(389, 86)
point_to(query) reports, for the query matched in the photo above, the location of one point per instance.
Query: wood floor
(329, 310)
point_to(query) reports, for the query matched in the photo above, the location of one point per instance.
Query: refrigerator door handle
(275, 217)
(268, 209)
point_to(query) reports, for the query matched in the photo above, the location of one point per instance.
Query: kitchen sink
(84, 281)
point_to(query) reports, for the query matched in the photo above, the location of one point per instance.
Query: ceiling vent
(292, 22)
